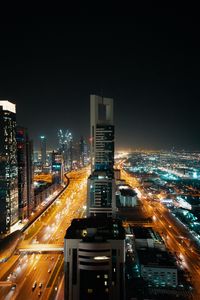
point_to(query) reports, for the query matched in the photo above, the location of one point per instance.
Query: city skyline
(51, 65)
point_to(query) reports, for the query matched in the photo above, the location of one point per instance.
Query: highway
(175, 235)
(46, 269)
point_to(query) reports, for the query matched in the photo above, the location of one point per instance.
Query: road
(45, 268)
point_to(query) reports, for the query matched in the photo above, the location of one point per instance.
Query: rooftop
(155, 257)
(96, 229)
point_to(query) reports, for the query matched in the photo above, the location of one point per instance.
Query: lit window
(105, 283)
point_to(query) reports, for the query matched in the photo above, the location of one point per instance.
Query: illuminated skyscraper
(8, 167)
(95, 246)
(65, 147)
(102, 133)
(101, 183)
(25, 172)
(83, 150)
(43, 149)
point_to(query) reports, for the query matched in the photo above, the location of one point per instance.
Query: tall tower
(8, 167)
(101, 183)
(102, 133)
(94, 248)
(43, 149)
(25, 172)
(65, 141)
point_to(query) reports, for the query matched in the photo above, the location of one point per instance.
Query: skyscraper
(83, 151)
(25, 172)
(8, 167)
(43, 149)
(102, 133)
(57, 166)
(65, 147)
(101, 183)
(95, 246)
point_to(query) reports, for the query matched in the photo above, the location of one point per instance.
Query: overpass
(7, 283)
(39, 248)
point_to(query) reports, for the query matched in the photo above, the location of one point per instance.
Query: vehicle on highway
(49, 271)
(13, 287)
(39, 293)
(40, 285)
(34, 285)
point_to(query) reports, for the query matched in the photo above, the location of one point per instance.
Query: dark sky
(147, 58)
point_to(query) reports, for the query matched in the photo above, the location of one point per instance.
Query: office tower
(25, 172)
(65, 147)
(102, 133)
(43, 149)
(94, 259)
(101, 183)
(95, 246)
(8, 167)
(57, 166)
(83, 150)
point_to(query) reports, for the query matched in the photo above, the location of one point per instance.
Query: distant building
(127, 196)
(25, 173)
(65, 144)
(157, 268)
(83, 150)
(94, 259)
(57, 166)
(43, 150)
(8, 167)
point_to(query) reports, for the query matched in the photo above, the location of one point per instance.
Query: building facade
(94, 259)
(25, 173)
(101, 183)
(8, 167)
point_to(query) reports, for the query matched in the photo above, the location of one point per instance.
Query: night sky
(147, 58)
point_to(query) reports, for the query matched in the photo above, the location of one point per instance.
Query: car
(13, 287)
(40, 285)
(39, 293)
(49, 271)
(34, 285)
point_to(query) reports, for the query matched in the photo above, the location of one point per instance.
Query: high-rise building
(43, 149)
(57, 167)
(8, 167)
(25, 172)
(83, 150)
(101, 183)
(94, 259)
(102, 133)
(65, 147)
(95, 246)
